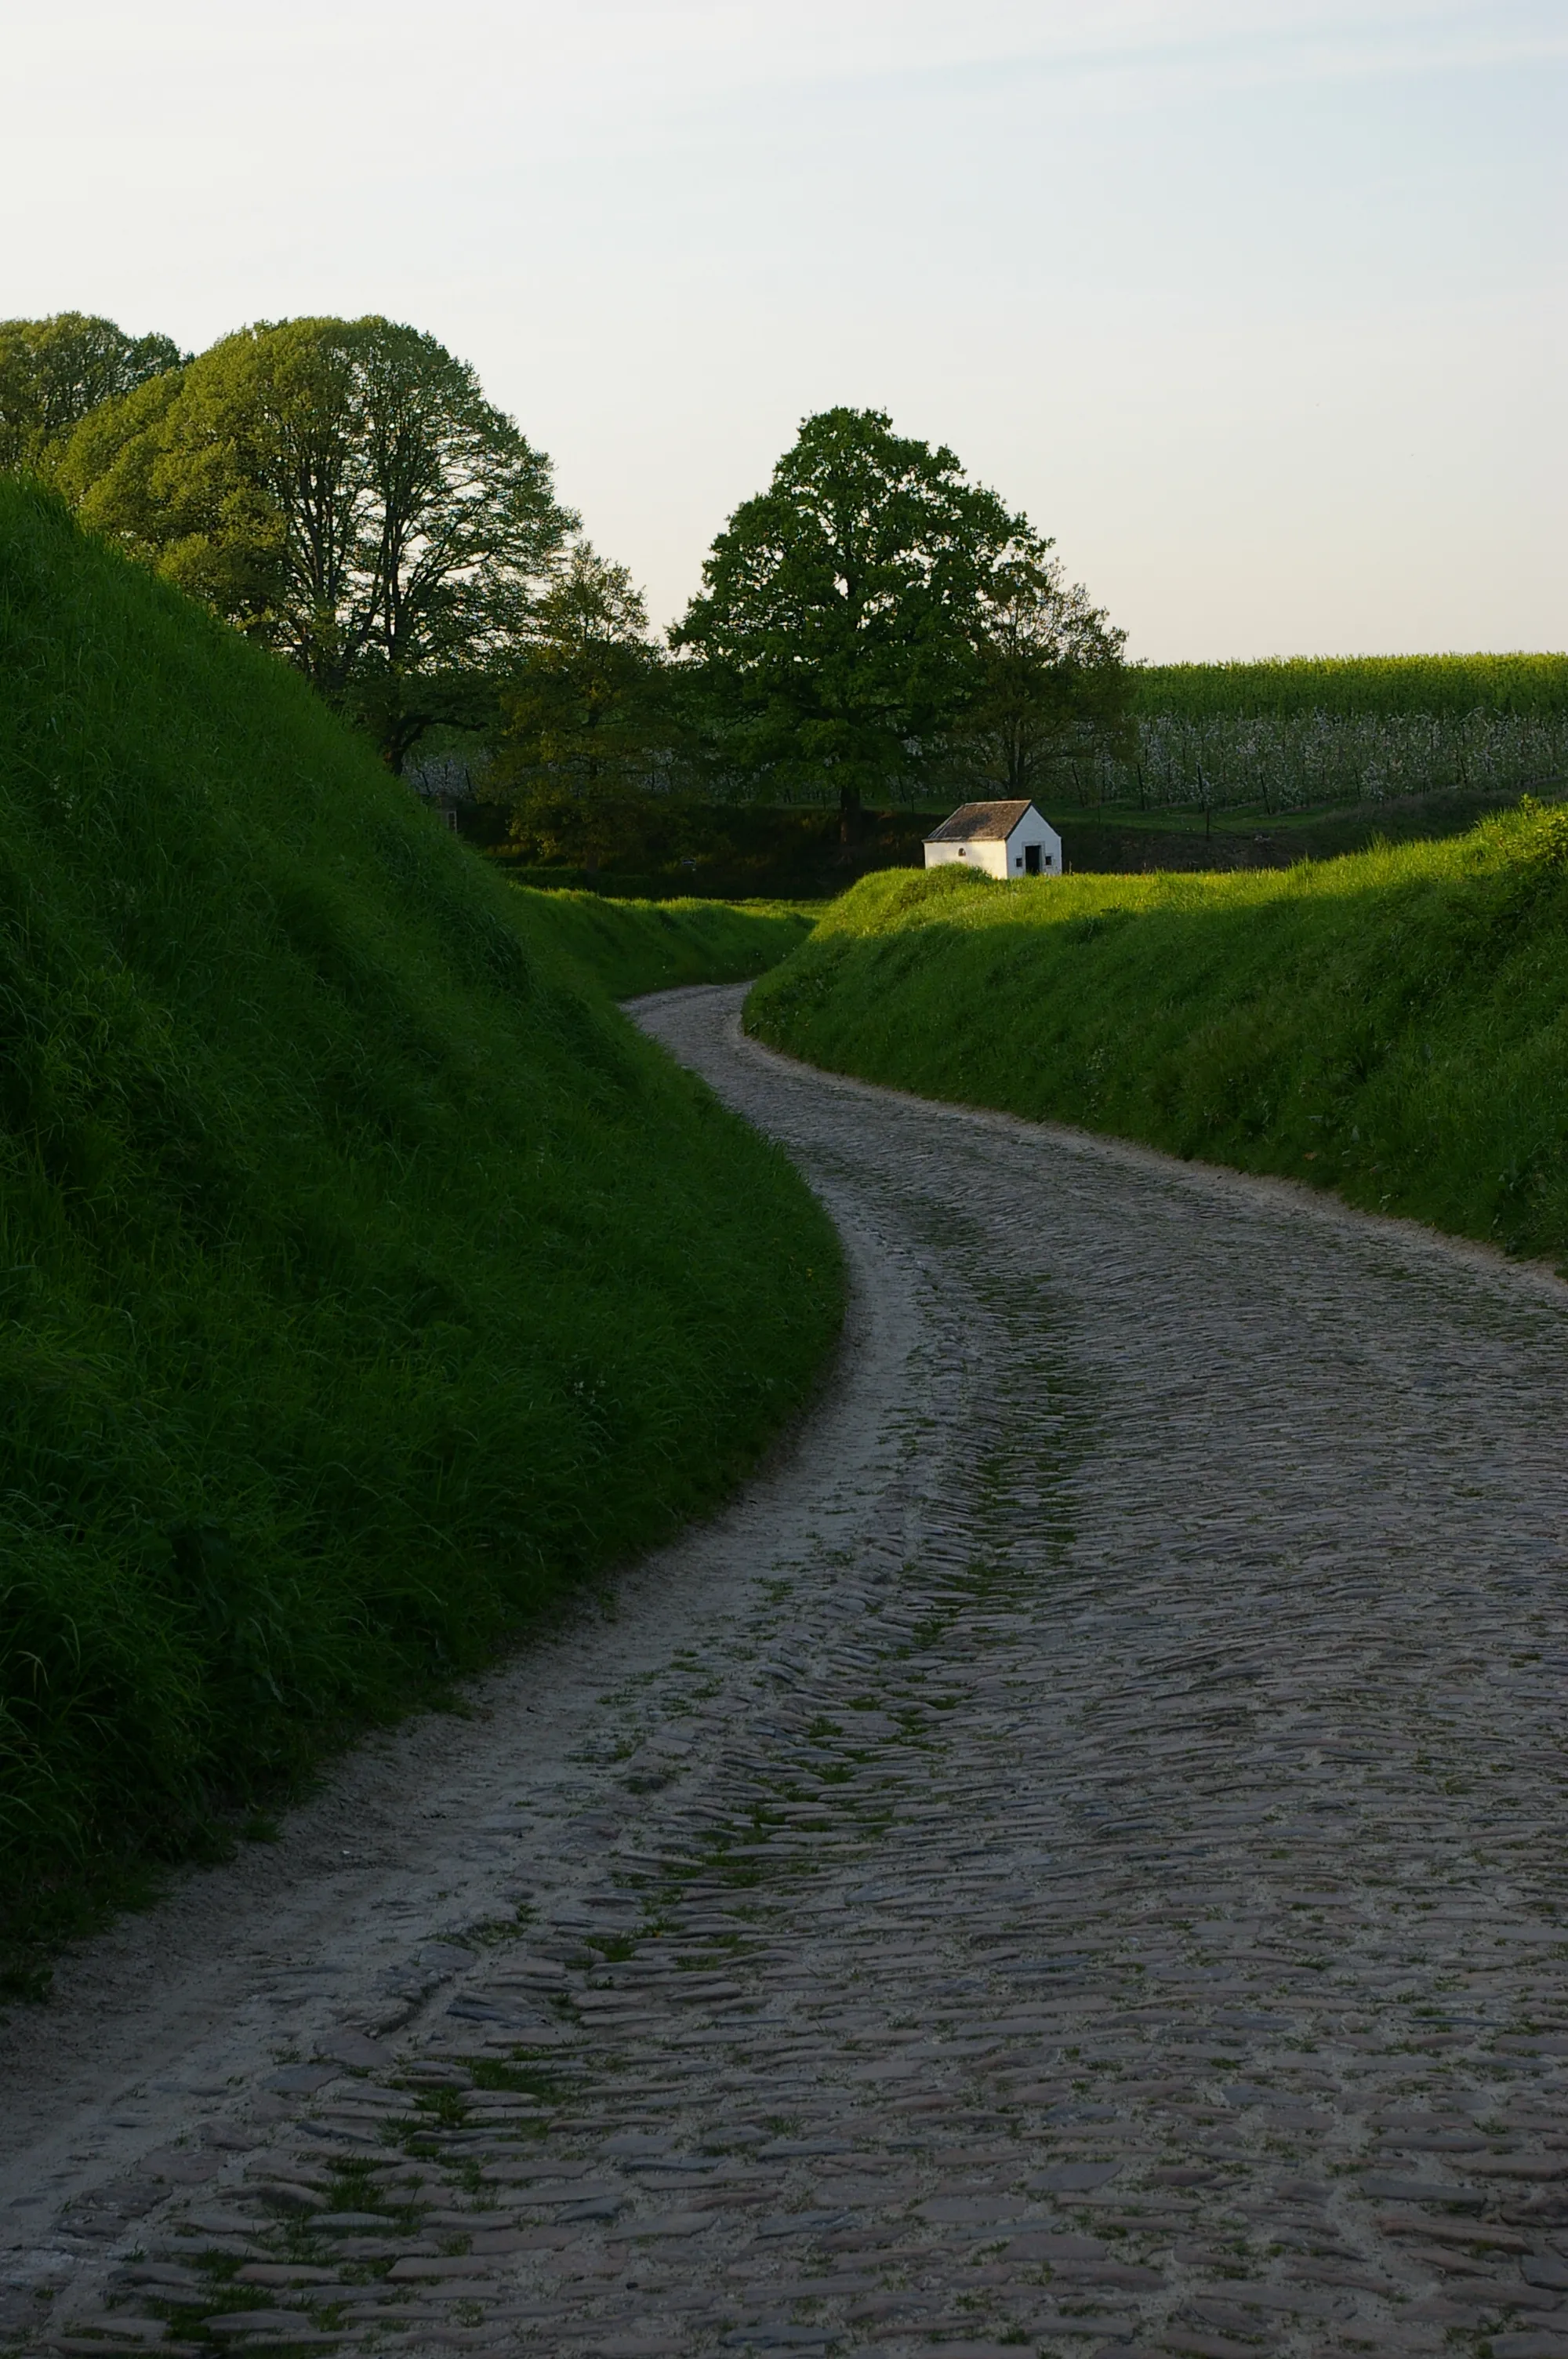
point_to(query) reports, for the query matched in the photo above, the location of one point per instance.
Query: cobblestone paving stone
(1102, 1893)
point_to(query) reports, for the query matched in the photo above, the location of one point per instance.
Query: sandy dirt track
(1073, 1861)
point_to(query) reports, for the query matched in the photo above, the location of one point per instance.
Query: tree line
(873, 625)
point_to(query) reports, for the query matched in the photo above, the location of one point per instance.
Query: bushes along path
(1072, 1861)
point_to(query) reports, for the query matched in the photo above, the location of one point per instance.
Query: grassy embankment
(365, 1279)
(632, 946)
(1119, 840)
(798, 855)
(732, 851)
(1394, 1025)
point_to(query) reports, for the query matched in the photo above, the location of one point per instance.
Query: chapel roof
(977, 822)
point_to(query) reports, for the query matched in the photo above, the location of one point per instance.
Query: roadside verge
(1392, 1025)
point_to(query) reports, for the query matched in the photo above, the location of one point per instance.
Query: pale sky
(1258, 308)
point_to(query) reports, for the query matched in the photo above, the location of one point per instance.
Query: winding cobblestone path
(1080, 1870)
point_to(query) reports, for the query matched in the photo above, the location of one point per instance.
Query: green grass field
(1394, 1025)
(629, 947)
(365, 1280)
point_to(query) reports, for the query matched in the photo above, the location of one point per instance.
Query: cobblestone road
(1087, 1876)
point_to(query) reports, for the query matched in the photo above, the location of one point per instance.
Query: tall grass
(1394, 1025)
(365, 1279)
(1300, 733)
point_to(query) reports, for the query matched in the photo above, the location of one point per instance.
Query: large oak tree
(341, 489)
(840, 626)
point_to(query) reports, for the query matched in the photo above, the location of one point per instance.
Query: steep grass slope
(627, 947)
(1394, 1025)
(363, 1277)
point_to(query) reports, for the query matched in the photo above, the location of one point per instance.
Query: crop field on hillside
(1533, 685)
(1394, 1025)
(1307, 733)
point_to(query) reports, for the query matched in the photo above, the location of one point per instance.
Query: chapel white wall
(1032, 830)
(994, 858)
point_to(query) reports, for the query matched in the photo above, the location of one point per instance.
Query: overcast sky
(1258, 308)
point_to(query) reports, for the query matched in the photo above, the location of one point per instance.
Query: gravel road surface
(1073, 1861)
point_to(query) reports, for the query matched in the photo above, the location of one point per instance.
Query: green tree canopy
(341, 489)
(54, 371)
(839, 629)
(581, 706)
(585, 724)
(1050, 682)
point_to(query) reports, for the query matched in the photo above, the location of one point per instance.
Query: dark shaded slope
(361, 1280)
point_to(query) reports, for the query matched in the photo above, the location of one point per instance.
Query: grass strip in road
(365, 1278)
(1394, 1025)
